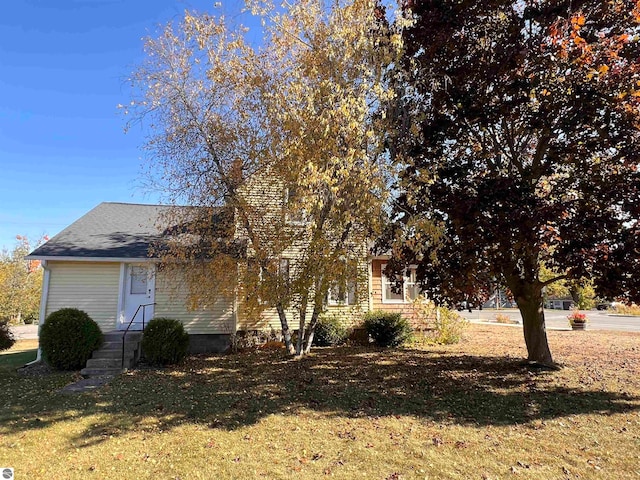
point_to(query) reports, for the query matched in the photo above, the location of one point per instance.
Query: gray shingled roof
(110, 230)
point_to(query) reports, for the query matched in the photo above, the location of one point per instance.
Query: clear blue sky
(63, 71)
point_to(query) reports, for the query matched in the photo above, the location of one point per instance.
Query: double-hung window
(412, 288)
(401, 289)
(342, 293)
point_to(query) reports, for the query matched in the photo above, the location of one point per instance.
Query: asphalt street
(557, 319)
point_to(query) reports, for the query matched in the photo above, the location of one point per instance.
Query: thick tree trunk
(535, 332)
(528, 295)
(286, 332)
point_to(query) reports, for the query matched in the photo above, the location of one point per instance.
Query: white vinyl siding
(267, 321)
(89, 286)
(172, 301)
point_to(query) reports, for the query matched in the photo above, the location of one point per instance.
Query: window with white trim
(402, 289)
(342, 293)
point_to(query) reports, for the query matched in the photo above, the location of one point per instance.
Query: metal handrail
(129, 326)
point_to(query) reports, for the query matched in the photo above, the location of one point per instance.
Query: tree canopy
(20, 283)
(517, 136)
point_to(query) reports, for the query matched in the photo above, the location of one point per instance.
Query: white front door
(138, 296)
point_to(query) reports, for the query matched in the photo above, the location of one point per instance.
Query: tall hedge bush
(68, 337)
(164, 341)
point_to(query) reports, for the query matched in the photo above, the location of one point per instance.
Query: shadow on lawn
(230, 392)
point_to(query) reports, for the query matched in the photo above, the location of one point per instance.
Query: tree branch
(553, 280)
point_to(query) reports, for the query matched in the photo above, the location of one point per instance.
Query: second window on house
(342, 293)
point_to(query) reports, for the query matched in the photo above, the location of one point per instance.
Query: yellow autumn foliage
(282, 134)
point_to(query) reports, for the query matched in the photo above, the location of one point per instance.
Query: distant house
(560, 303)
(105, 264)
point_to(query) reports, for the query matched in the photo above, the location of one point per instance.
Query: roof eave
(92, 259)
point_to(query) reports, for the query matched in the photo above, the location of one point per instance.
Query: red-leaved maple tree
(518, 141)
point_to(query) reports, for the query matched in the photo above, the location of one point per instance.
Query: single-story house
(104, 263)
(560, 303)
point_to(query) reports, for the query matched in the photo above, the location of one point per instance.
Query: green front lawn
(463, 411)
(22, 352)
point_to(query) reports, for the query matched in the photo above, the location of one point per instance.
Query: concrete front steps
(108, 359)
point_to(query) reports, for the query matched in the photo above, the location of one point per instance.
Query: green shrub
(387, 329)
(6, 337)
(330, 331)
(164, 341)
(68, 337)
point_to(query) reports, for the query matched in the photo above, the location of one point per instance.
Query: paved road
(25, 332)
(557, 319)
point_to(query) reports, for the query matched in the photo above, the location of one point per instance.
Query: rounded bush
(387, 329)
(164, 341)
(6, 337)
(330, 331)
(68, 337)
